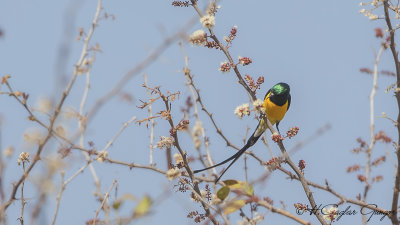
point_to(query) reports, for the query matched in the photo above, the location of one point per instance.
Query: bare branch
(283, 212)
(149, 109)
(371, 127)
(392, 45)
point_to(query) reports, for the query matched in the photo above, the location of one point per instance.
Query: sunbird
(276, 104)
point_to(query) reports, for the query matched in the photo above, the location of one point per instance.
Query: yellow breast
(274, 112)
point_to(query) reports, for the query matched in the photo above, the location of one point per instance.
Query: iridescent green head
(280, 89)
(280, 94)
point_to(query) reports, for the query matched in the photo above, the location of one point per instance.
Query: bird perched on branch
(276, 104)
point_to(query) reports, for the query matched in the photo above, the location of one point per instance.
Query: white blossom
(242, 110)
(165, 142)
(330, 213)
(208, 21)
(199, 37)
(173, 173)
(23, 157)
(258, 105)
(178, 158)
(102, 156)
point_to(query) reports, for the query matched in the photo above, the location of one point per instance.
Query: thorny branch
(227, 54)
(183, 154)
(192, 88)
(302, 180)
(203, 201)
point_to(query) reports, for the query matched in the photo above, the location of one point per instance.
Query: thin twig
(82, 120)
(84, 97)
(227, 54)
(35, 119)
(105, 197)
(203, 201)
(183, 154)
(77, 173)
(21, 218)
(82, 128)
(59, 198)
(108, 145)
(371, 128)
(265, 141)
(192, 89)
(63, 186)
(152, 122)
(151, 167)
(301, 179)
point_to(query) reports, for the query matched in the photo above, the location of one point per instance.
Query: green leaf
(230, 182)
(234, 206)
(240, 185)
(128, 196)
(118, 202)
(143, 207)
(223, 192)
(247, 188)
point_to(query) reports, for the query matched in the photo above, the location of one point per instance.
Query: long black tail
(236, 155)
(252, 140)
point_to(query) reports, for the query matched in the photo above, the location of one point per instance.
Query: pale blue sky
(316, 47)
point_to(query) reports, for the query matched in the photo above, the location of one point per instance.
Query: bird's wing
(262, 126)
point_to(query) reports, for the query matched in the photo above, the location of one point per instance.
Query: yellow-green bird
(276, 104)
